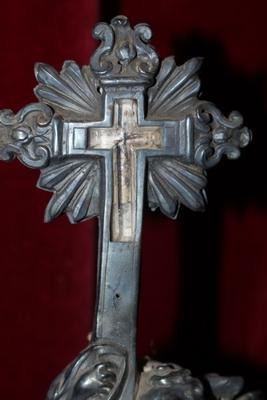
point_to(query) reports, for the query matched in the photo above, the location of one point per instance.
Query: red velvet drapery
(204, 277)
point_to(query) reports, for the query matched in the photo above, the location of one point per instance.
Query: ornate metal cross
(101, 135)
(124, 138)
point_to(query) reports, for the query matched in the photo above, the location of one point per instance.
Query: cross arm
(34, 136)
(27, 135)
(204, 136)
(209, 134)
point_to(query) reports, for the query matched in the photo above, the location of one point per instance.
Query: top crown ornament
(124, 57)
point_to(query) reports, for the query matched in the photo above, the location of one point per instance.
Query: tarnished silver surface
(171, 382)
(101, 135)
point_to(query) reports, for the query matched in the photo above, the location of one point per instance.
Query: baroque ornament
(101, 135)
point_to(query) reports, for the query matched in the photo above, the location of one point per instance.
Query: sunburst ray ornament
(101, 135)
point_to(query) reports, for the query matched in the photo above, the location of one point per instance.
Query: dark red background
(204, 277)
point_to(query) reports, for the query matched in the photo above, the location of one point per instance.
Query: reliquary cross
(102, 135)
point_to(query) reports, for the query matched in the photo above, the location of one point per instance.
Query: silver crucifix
(102, 135)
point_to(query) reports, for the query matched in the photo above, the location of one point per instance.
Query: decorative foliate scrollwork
(168, 381)
(27, 135)
(171, 382)
(210, 135)
(72, 93)
(218, 135)
(76, 187)
(124, 53)
(99, 62)
(175, 92)
(172, 182)
(97, 373)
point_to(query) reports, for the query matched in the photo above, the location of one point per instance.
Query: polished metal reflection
(102, 135)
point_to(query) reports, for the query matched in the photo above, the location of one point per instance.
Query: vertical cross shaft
(120, 252)
(125, 137)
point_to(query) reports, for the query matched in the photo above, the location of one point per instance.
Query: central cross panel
(124, 138)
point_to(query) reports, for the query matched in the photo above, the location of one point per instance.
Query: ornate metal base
(171, 382)
(97, 373)
(100, 373)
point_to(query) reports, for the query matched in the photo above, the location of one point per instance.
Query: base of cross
(100, 373)
(171, 382)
